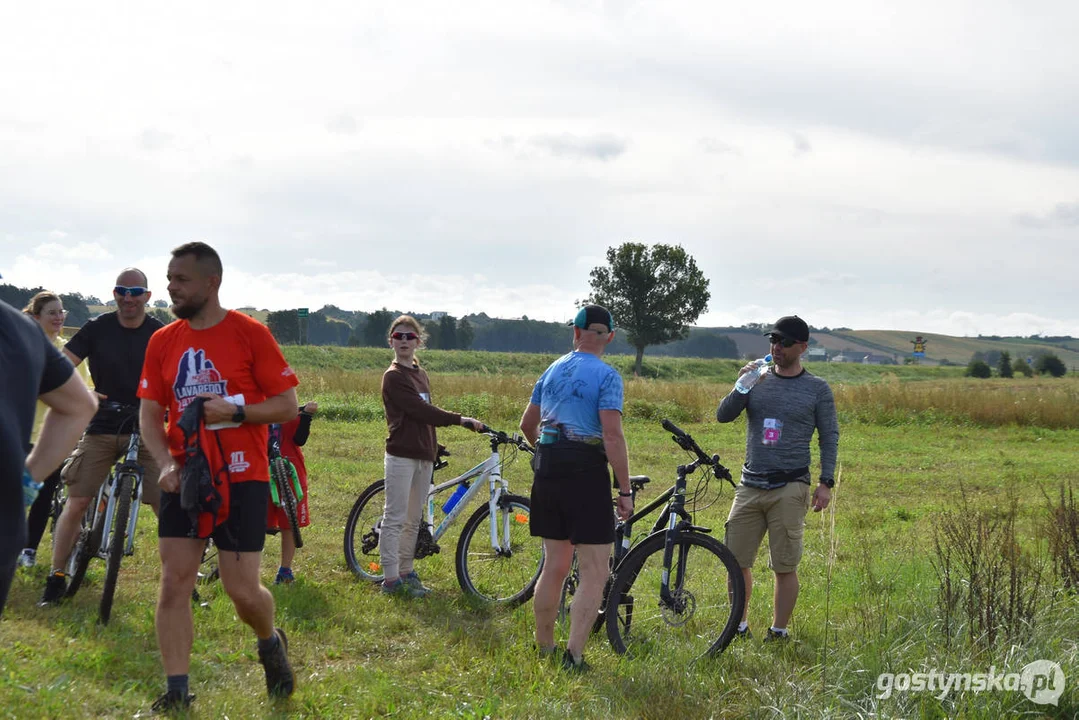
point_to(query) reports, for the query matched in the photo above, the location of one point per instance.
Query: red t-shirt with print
(238, 356)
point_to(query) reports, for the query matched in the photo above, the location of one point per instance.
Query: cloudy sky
(911, 167)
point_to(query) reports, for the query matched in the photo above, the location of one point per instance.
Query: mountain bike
(108, 527)
(677, 589)
(497, 560)
(285, 491)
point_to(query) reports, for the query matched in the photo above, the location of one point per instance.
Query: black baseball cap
(791, 327)
(591, 314)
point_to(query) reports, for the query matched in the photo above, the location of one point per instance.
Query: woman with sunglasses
(410, 454)
(47, 309)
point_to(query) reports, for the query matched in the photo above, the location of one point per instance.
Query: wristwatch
(240, 415)
(827, 482)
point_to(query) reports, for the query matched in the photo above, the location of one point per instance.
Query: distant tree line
(1044, 363)
(76, 304)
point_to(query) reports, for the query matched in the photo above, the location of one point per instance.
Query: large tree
(447, 332)
(465, 334)
(655, 293)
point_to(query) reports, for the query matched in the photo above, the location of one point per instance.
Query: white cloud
(872, 164)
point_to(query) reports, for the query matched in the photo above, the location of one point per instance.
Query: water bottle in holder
(455, 498)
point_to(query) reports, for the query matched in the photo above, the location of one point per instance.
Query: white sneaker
(27, 558)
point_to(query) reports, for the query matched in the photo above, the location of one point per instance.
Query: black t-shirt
(29, 366)
(115, 354)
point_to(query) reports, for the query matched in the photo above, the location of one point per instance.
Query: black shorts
(571, 496)
(243, 531)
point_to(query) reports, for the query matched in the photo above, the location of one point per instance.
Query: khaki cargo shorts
(94, 456)
(781, 513)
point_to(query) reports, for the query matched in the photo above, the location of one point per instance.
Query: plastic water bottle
(455, 498)
(30, 488)
(748, 379)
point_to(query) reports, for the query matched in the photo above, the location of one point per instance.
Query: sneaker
(28, 558)
(774, 636)
(279, 678)
(284, 577)
(55, 588)
(743, 634)
(401, 588)
(413, 581)
(570, 665)
(172, 701)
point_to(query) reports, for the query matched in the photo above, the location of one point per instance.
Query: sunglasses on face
(780, 340)
(405, 336)
(134, 291)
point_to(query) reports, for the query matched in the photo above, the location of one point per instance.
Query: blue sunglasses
(134, 291)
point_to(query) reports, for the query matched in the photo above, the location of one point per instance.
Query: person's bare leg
(288, 548)
(253, 602)
(594, 561)
(67, 530)
(786, 595)
(180, 559)
(747, 577)
(557, 560)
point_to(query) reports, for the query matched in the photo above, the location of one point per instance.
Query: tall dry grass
(1038, 402)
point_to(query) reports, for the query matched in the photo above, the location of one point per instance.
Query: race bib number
(773, 429)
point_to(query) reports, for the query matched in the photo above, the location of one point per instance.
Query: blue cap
(591, 315)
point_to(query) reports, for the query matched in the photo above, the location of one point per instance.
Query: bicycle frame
(490, 470)
(106, 494)
(674, 517)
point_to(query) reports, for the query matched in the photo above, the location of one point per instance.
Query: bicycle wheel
(283, 480)
(362, 532)
(707, 596)
(125, 488)
(507, 575)
(86, 547)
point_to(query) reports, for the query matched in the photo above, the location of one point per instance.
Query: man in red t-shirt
(234, 362)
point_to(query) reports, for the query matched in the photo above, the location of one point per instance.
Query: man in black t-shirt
(30, 367)
(114, 344)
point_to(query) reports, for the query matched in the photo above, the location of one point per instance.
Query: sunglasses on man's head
(133, 291)
(405, 336)
(784, 341)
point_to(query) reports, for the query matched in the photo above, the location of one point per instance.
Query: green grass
(867, 603)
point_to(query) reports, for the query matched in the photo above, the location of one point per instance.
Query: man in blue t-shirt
(31, 368)
(574, 419)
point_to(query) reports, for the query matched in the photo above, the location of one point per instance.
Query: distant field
(960, 349)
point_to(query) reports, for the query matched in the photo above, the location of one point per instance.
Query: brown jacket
(412, 419)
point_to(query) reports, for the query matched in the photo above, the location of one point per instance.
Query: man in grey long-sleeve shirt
(783, 409)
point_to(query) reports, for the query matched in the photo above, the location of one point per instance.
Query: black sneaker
(172, 701)
(780, 637)
(744, 634)
(279, 678)
(570, 665)
(55, 589)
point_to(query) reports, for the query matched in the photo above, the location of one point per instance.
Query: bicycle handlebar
(503, 439)
(686, 442)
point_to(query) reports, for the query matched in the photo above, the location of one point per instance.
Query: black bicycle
(678, 589)
(108, 527)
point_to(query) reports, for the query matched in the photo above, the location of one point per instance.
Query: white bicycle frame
(490, 470)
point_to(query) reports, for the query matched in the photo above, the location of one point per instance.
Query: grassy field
(914, 448)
